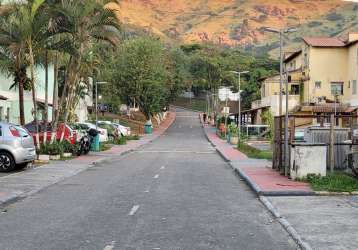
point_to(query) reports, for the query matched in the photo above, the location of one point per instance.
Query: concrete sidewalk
(258, 173)
(22, 184)
(324, 222)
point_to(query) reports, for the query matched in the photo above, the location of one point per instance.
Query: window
(354, 87)
(337, 88)
(295, 90)
(317, 84)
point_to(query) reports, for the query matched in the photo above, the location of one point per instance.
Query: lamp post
(239, 73)
(97, 101)
(281, 32)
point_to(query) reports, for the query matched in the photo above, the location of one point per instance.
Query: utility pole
(239, 74)
(281, 32)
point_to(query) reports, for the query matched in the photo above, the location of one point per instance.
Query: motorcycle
(86, 142)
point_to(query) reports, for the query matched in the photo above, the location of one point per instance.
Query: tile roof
(324, 42)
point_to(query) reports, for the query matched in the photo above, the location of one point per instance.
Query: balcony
(273, 102)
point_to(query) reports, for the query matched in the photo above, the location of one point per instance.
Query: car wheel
(7, 162)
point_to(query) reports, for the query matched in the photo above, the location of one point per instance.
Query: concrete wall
(326, 65)
(352, 97)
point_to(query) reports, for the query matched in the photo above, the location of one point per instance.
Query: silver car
(16, 147)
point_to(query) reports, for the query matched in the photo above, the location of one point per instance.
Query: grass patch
(133, 137)
(104, 147)
(252, 152)
(337, 182)
(194, 104)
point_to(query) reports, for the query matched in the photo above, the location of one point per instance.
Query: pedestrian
(204, 117)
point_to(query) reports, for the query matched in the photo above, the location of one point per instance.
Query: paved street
(174, 193)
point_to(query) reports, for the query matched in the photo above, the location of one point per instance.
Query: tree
(79, 24)
(141, 75)
(13, 58)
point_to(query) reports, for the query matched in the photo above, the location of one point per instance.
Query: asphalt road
(175, 193)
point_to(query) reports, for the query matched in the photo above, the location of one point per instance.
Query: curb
(285, 224)
(22, 195)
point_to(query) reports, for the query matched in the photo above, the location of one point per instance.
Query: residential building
(9, 98)
(322, 72)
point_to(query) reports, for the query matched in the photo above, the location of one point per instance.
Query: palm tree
(13, 59)
(79, 25)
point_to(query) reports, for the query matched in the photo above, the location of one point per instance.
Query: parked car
(125, 131)
(103, 133)
(69, 133)
(122, 130)
(16, 147)
(112, 130)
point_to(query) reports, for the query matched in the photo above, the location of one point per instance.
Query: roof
(329, 108)
(292, 55)
(324, 42)
(272, 77)
(3, 97)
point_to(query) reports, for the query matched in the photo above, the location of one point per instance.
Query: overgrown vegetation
(193, 104)
(252, 152)
(337, 182)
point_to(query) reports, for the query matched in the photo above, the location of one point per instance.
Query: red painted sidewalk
(131, 145)
(261, 177)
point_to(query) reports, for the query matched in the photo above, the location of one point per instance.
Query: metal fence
(334, 131)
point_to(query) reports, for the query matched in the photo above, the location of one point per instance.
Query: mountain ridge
(237, 23)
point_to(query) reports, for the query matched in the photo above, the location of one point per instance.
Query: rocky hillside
(237, 22)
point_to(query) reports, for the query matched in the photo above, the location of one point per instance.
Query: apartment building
(323, 72)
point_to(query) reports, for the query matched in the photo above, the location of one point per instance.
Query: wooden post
(331, 144)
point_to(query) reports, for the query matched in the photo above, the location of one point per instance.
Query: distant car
(69, 133)
(103, 133)
(122, 130)
(125, 131)
(16, 147)
(112, 130)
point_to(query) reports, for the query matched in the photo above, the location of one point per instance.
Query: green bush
(55, 148)
(68, 147)
(121, 140)
(233, 129)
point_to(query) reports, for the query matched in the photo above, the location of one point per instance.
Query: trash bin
(95, 143)
(148, 128)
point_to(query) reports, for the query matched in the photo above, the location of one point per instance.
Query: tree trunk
(32, 63)
(46, 97)
(21, 101)
(55, 111)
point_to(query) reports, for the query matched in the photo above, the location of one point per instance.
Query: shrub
(233, 129)
(55, 148)
(67, 147)
(121, 140)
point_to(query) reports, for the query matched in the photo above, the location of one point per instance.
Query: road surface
(175, 193)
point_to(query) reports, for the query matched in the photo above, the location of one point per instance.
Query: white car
(125, 131)
(122, 130)
(103, 133)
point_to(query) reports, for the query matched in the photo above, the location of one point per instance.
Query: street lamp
(239, 74)
(282, 32)
(97, 101)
